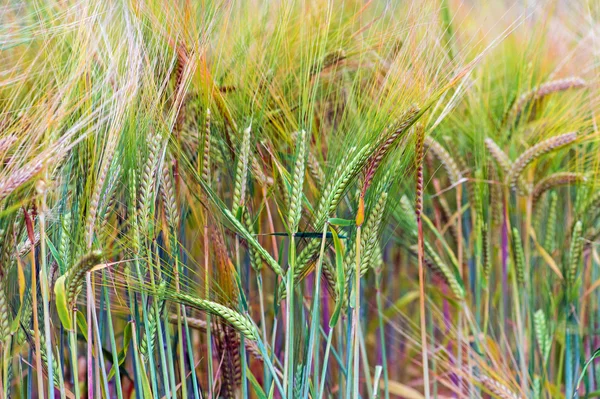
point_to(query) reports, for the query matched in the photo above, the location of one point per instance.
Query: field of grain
(299, 199)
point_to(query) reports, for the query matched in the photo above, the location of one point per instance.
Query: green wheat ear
(448, 271)
(297, 181)
(232, 317)
(76, 275)
(550, 238)
(542, 334)
(241, 174)
(575, 253)
(487, 256)
(519, 256)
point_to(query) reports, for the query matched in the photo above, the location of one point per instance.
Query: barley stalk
(95, 199)
(519, 256)
(167, 190)
(542, 334)
(450, 276)
(546, 89)
(199, 324)
(449, 164)
(499, 156)
(550, 238)
(44, 356)
(76, 275)
(575, 253)
(148, 180)
(487, 257)
(19, 178)
(206, 149)
(555, 180)
(241, 174)
(297, 180)
(534, 153)
(500, 390)
(6, 142)
(235, 319)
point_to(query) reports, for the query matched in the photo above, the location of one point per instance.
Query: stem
(288, 379)
(325, 360)
(36, 329)
(315, 311)
(382, 335)
(209, 359)
(422, 307)
(113, 343)
(74, 365)
(355, 319)
(45, 295)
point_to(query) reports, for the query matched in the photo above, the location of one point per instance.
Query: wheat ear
(534, 153)
(555, 180)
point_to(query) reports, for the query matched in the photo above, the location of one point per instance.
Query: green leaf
(339, 267)
(62, 306)
(56, 255)
(340, 222)
(260, 393)
(82, 324)
(595, 355)
(127, 334)
(16, 323)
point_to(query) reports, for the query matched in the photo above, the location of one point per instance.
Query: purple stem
(505, 264)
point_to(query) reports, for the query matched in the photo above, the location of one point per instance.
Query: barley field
(299, 199)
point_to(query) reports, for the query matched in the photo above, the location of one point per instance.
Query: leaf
(340, 222)
(62, 307)
(127, 334)
(595, 355)
(100, 266)
(404, 391)
(396, 307)
(260, 393)
(549, 260)
(82, 323)
(56, 255)
(272, 391)
(305, 234)
(21, 280)
(339, 267)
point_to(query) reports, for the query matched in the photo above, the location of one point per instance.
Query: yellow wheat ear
(546, 146)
